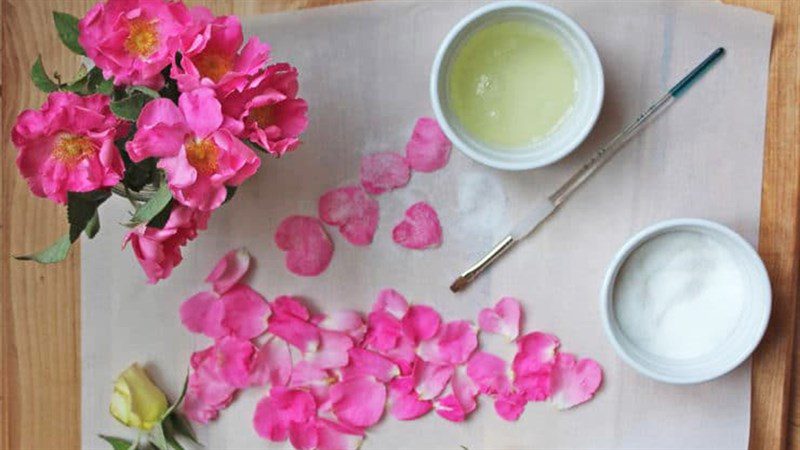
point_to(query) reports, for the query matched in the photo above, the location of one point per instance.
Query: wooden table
(40, 367)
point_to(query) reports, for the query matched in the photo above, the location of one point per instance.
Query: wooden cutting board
(40, 310)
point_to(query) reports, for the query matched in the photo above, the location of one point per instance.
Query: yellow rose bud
(137, 402)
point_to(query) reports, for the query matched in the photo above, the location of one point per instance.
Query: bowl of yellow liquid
(517, 85)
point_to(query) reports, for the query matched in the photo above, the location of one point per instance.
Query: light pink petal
(332, 351)
(489, 373)
(203, 313)
(365, 362)
(428, 149)
(246, 312)
(535, 351)
(276, 412)
(196, 410)
(299, 333)
(421, 323)
(334, 436)
(234, 357)
(272, 364)
(346, 321)
(202, 111)
(404, 401)
(574, 381)
(384, 171)
(464, 389)
(359, 401)
(353, 211)
(229, 270)
(391, 302)
(431, 379)
(420, 229)
(308, 248)
(503, 319)
(307, 375)
(510, 405)
(454, 344)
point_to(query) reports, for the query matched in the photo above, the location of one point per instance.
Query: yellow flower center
(142, 37)
(263, 116)
(213, 65)
(202, 155)
(70, 149)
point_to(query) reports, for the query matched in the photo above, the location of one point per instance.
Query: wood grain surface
(40, 309)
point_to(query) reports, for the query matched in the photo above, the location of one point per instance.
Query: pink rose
(199, 155)
(159, 250)
(211, 55)
(267, 111)
(134, 40)
(68, 145)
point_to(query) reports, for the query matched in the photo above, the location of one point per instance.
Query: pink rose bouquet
(172, 113)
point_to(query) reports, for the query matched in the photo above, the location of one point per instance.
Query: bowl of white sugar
(686, 301)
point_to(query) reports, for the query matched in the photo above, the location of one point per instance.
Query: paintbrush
(545, 208)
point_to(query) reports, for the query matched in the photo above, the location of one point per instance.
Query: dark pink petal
(536, 386)
(421, 323)
(404, 401)
(449, 408)
(289, 321)
(503, 319)
(431, 379)
(574, 381)
(229, 270)
(392, 302)
(308, 248)
(453, 345)
(304, 435)
(293, 306)
(272, 364)
(535, 351)
(203, 313)
(346, 321)
(276, 412)
(353, 211)
(333, 350)
(510, 405)
(420, 229)
(383, 331)
(384, 171)
(359, 401)
(335, 436)
(246, 312)
(429, 149)
(234, 357)
(365, 362)
(489, 373)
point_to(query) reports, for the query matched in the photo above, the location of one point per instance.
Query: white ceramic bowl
(739, 345)
(572, 130)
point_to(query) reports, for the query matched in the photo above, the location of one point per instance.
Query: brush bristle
(460, 283)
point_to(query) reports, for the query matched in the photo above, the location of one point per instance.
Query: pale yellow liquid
(511, 84)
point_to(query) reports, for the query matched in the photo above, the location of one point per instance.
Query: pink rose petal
(420, 229)
(391, 302)
(533, 364)
(229, 270)
(353, 211)
(454, 344)
(335, 436)
(332, 351)
(489, 373)
(289, 321)
(431, 379)
(345, 321)
(383, 331)
(510, 405)
(405, 404)
(428, 149)
(203, 313)
(464, 389)
(574, 381)
(449, 408)
(365, 362)
(308, 248)
(234, 357)
(384, 171)
(421, 323)
(246, 312)
(283, 407)
(503, 319)
(304, 435)
(358, 401)
(272, 364)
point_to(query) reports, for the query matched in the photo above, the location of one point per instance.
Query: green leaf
(160, 220)
(254, 146)
(93, 227)
(40, 77)
(158, 438)
(152, 93)
(231, 191)
(153, 207)
(182, 427)
(180, 398)
(53, 254)
(117, 443)
(81, 208)
(129, 108)
(67, 27)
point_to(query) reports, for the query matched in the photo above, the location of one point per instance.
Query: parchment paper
(364, 70)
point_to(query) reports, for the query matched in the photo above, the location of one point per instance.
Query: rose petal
(203, 313)
(346, 321)
(404, 401)
(364, 362)
(272, 364)
(353, 211)
(229, 270)
(358, 401)
(420, 229)
(384, 171)
(574, 381)
(335, 436)
(449, 408)
(534, 351)
(276, 412)
(510, 405)
(429, 149)
(431, 379)
(308, 248)
(421, 323)
(391, 302)
(332, 350)
(503, 319)
(234, 357)
(489, 373)
(304, 435)
(246, 312)
(454, 344)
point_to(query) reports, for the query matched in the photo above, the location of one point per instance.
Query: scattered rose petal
(358, 401)
(229, 270)
(428, 149)
(464, 389)
(203, 313)
(489, 373)
(332, 351)
(234, 357)
(391, 302)
(420, 229)
(383, 331)
(449, 408)
(308, 248)
(454, 344)
(335, 436)
(404, 401)
(289, 321)
(431, 379)
(346, 321)
(384, 171)
(365, 362)
(246, 312)
(574, 381)
(533, 364)
(283, 407)
(304, 435)
(510, 405)
(421, 323)
(353, 211)
(272, 364)
(503, 319)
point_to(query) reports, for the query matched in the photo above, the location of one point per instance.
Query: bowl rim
(593, 62)
(666, 226)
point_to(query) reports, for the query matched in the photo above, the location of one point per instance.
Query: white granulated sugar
(482, 205)
(680, 295)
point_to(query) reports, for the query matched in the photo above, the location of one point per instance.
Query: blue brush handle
(695, 74)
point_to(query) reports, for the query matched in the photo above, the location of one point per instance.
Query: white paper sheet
(364, 70)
